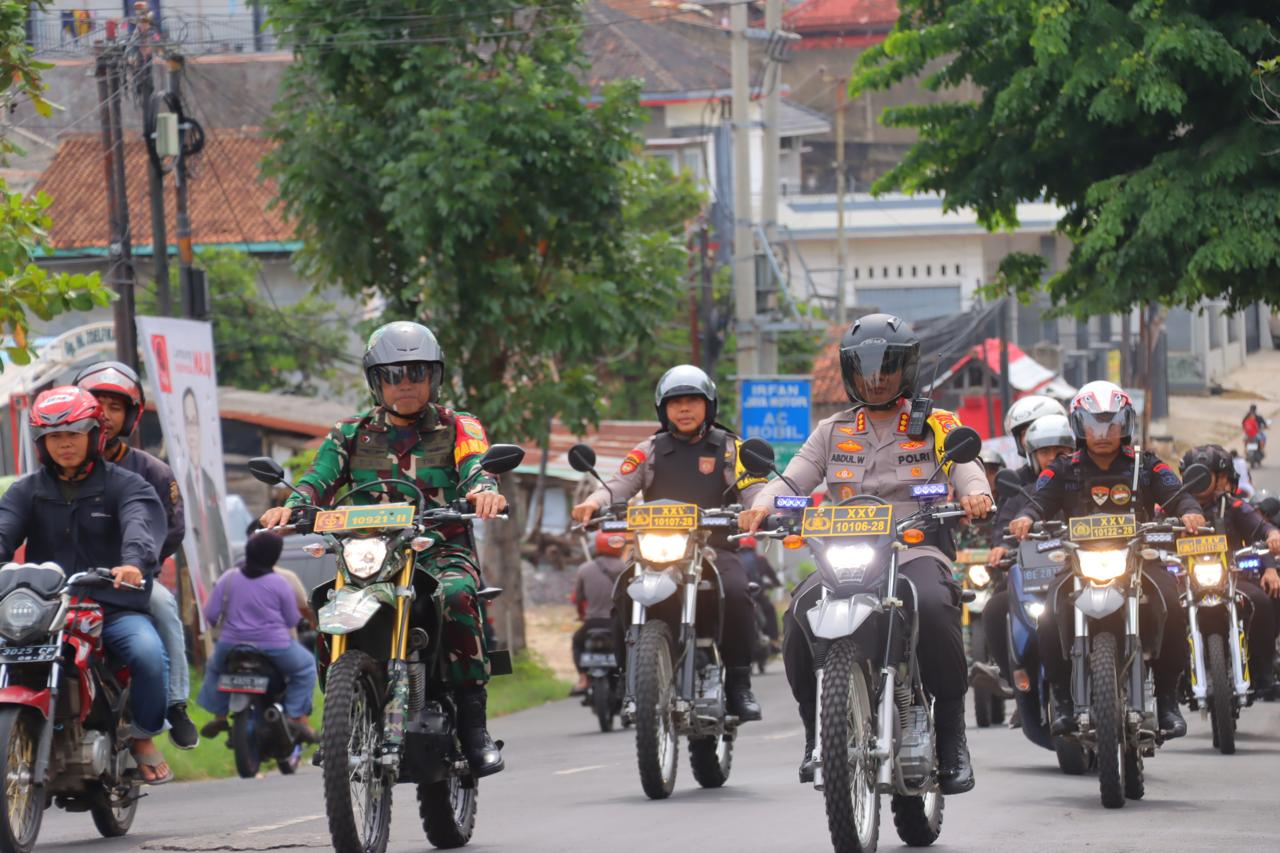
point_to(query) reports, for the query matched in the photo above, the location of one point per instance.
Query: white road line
(787, 735)
(273, 826)
(574, 770)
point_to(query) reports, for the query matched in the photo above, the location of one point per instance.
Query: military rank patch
(633, 461)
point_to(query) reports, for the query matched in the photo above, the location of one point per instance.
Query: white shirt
(1242, 472)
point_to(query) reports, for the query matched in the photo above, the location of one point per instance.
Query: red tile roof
(828, 385)
(838, 16)
(229, 200)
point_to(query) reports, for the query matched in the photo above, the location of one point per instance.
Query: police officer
(867, 450)
(695, 460)
(1106, 475)
(407, 435)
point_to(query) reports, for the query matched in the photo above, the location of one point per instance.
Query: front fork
(687, 640)
(1235, 643)
(393, 725)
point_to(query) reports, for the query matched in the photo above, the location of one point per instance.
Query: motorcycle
(64, 707)
(874, 732)
(1253, 451)
(764, 646)
(390, 714)
(674, 672)
(259, 728)
(988, 691)
(604, 685)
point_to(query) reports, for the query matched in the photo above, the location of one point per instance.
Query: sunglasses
(394, 374)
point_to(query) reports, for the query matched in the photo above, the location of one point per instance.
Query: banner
(179, 360)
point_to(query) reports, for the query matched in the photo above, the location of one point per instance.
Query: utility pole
(708, 350)
(175, 63)
(155, 168)
(120, 250)
(1006, 390)
(772, 153)
(842, 238)
(744, 256)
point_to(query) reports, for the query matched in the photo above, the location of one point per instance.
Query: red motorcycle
(64, 720)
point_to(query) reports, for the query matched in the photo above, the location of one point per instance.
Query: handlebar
(99, 575)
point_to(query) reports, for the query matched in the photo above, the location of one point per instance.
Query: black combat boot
(1168, 715)
(955, 772)
(741, 702)
(806, 764)
(1064, 712)
(484, 756)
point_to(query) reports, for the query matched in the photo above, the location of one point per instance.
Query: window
(914, 274)
(1233, 328)
(911, 303)
(871, 272)
(899, 272)
(928, 270)
(855, 273)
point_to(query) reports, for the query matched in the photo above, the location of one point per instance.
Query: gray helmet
(680, 381)
(991, 458)
(1047, 431)
(403, 342)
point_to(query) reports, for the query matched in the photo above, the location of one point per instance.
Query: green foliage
(463, 172)
(1137, 117)
(257, 346)
(25, 288)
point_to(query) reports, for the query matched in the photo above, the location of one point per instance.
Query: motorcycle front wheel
(918, 819)
(357, 796)
(1107, 710)
(448, 811)
(848, 769)
(1221, 696)
(711, 758)
(22, 803)
(657, 745)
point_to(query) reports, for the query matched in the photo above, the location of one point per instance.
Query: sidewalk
(1208, 419)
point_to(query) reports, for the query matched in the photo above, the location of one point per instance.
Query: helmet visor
(394, 374)
(878, 371)
(1103, 426)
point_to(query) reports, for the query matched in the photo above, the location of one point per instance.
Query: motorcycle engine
(915, 754)
(93, 757)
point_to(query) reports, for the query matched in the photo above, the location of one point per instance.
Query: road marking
(274, 826)
(787, 735)
(574, 770)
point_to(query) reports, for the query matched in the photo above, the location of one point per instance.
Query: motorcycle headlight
(364, 557)
(979, 576)
(848, 557)
(1207, 573)
(23, 614)
(1033, 609)
(1102, 566)
(666, 547)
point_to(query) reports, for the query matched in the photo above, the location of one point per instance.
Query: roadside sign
(777, 409)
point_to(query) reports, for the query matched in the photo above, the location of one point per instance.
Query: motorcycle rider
(1255, 426)
(408, 435)
(693, 459)
(1022, 414)
(865, 449)
(760, 572)
(992, 464)
(80, 512)
(1100, 477)
(1243, 525)
(119, 392)
(593, 595)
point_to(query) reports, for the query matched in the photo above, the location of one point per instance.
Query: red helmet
(67, 409)
(116, 377)
(610, 543)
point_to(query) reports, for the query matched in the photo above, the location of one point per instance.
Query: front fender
(351, 608)
(1097, 602)
(833, 618)
(650, 588)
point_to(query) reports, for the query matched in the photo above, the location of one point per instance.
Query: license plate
(28, 654)
(1039, 578)
(1092, 527)
(663, 517)
(231, 683)
(1190, 546)
(364, 518)
(590, 659)
(863, 520)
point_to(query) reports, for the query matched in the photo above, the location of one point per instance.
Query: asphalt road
(568, 787)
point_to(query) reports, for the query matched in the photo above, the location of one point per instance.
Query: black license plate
(1038, 578)
(232, 683)
(28, 654)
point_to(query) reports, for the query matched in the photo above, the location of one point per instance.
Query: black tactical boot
(1168, 715)
(806, 764)
(484, 756)
(1064, 712)
(955, 773)
(741, 702)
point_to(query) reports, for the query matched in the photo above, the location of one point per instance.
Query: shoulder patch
(633, 461)
(1161, 467)
(471, 427)
(1044, 478)
(469, 439)
(174, 495)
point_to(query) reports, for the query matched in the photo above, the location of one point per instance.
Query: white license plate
(231, 683)
(590, 659)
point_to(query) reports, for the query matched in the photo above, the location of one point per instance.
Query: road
(568, 787)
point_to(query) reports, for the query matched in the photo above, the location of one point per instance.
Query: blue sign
(777, 410)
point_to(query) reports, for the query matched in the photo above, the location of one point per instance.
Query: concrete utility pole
(190, 306)
(842, 238)
(120, 250)
(772, 154)
(744, 255)
(155, 170)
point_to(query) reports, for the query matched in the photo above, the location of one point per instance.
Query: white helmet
(1049, 431)
(1026, 410)
(1100, 405)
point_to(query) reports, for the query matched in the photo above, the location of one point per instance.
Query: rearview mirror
(757, 456)
(582, 458)
(962, 444)
(264, 469)
(501, 458)
(1007, 484)
(1196, 479)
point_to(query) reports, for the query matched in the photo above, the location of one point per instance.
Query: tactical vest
(693, 472)
(1108, 492)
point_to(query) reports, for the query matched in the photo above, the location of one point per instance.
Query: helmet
(681, 381)
(116, 377)
(1048, 431)
(1026, 410)
(67, 409)
(1212, 456)
(403, 342)
(1100, 405)
(609, 544)
(876, 347)
(991, 458)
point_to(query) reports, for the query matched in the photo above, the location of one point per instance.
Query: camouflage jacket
(364, 449)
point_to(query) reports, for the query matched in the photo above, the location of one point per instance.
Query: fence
(68, 33)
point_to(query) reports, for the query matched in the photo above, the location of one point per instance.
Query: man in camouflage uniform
(408, 435)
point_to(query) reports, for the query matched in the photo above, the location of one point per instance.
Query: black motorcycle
(260, 731)
(764, 647)
(604, 676)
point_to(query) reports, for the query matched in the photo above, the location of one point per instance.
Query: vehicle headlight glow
(1034, 609)
(1102, 566)
(1207, 572)
(20, 614)
(364, 557)
(979, 576)
(849, 557)
(664, 547)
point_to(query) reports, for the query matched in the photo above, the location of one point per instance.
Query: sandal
(153, 759)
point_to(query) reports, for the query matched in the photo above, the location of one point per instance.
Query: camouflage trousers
(455, 568)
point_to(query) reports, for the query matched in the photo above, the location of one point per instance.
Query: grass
(532, 683)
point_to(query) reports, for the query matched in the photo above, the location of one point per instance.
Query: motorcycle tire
(983, 700)
(353, 726)
(289, 765)
(602, 703)
(918, 819)
(244, 742)
(657, 745)
(711, 759)
(19, 739)
(1072, 758)
(1135, 786)
(848, 725)
(448, 810)
(1108, 720)
(112, 819)
(1221, 710)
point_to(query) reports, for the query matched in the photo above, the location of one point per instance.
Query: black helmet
(874, 346)
(681, 381)
(1211, 456)
(403, 342)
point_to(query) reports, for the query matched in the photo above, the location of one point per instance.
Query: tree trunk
(1153, 318)
(501, 563)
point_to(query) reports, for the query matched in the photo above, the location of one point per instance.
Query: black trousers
(580, 637)
(1172, 660)
(943, 668)
(995, 624)
(1261, 634)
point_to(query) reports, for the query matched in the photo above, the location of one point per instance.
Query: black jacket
(160, 476)
(1011, 507)
(1240, 521)
(116, 519)
(1073, 486)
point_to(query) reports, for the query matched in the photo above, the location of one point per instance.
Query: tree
(1138, 118)
(25, 288)
(257, 345)
(449, 158)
